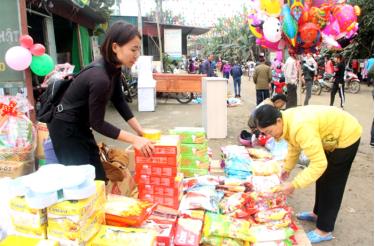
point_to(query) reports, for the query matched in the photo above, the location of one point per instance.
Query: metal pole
(80, 54)
(140, 24)
(158, 14)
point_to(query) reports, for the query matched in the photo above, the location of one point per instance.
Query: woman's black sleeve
(119, 102)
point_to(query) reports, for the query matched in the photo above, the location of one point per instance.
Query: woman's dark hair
(266, 116)
(121, 33)
(279, 97)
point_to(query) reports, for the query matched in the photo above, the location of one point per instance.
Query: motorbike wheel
(184, 97)
(354, 86)
(316, 88)
(133, 91)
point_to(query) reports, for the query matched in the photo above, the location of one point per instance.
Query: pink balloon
(18, 58)
(279, 56)
(274, 46)
(26, 41)
(332, 29)
(346, 17)
(38, 50)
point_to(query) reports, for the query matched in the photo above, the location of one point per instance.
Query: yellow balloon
(271, 7)
(254, 30)
(357, 10)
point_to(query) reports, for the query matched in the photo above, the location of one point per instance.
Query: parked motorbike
(129, 87)
(351, 80)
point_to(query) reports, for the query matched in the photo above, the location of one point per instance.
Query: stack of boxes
(158, 177)
(194, 151)
(76, 222)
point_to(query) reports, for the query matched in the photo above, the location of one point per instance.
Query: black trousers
(330, 186)
(337, 87)
(262, 95)
(75, 145)
(291, 96)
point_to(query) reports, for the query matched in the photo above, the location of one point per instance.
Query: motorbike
(129, 87)
(352, 84)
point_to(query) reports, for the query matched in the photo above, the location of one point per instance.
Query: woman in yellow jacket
(330, 138)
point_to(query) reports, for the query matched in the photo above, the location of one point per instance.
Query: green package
(195, 162)
(221, 241)
(192, 172)
(194, 149)
(190, 135)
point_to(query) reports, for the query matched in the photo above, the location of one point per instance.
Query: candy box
(111, 235)
(26, 220)
(168, 145)
(159, 181)
(42, 136)
(191, 172)
(156, 170)
(195, 162)
(67, 235)
(172, 202)
(165, 231)
(163, 213)
(126, 211)
(14, 169)
(188, 232)
(77, 210)
(174, 190)
(162, 160)
(190, 135)
(15, 240)
(194, 149)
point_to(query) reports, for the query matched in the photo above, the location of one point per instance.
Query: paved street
(355, 222)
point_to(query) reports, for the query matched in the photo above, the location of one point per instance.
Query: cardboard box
(165, 231)
(131, 156)
(76, 211)
(162, 160)
(195, 162)
(194, 149)
(159, 190)
(188, 232)
(156, 170)
(27, 221)
(172, 202)
(159, 180)
(168, 145)
(111, 235)
(14, 169)
(191, 172)
(190, 135)
(42, 136)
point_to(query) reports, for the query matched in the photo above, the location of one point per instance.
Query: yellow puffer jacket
(316, 130)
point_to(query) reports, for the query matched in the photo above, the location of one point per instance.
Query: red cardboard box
(160, 190)
(168, 145)
(172, 202)
(159, 180)
(156, 170)
(188, 232)
(162, 160)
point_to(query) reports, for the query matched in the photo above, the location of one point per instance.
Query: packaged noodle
(264, 201)
(202, 197)
(265, 183)
(271, 215)
(226, 226)
(266, 168)
(259, 153)
(286, 242)
(221, 241)
(126, 211)
(260, 233)
(111, 235)
(238, 205)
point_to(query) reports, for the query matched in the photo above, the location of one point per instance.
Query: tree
(103, 7)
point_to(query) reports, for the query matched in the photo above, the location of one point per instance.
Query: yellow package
(26, 220)
(111, 235)
(77, 210)
(14, 240)
(76, 235)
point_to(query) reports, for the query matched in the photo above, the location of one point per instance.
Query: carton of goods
(111, 235)
(42, 136)
(165, 231)
(14, 169)
(191, 172)
(161, 190)
(194, 149)
(152, 134)
(70, 235)
(27, 221)
(172, 202)
(190, 135)
(162, 160)
(163, 213)
(156, 170)
(188, 232)
(195, 162)
(14, 240)
(77, 210)
(126, 211)
(159, 181)
(168, 145)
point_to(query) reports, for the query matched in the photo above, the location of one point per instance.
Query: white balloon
(272, 29)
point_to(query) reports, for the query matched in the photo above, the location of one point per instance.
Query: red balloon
(26, 41)
(309, 32)
(38, 50)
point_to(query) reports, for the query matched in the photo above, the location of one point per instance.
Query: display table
(178, 82)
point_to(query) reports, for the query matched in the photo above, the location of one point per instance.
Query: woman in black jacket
(339, 83)
(70, 129)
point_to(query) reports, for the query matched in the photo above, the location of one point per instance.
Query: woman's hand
(286, 188)
(144, 145)
(284, 175)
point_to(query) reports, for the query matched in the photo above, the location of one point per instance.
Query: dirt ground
(354, 225)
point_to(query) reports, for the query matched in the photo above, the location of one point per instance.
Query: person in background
(207, 67)
(226, 70)
(329, 68)
(277, 74)
(262, 79)
(290, 70)
(200, 66)
(191, 66)
(219, 65)
(250, 67)
(71, 127)
(309, 71)
(329, 137)
(339, 83)
(236, 73)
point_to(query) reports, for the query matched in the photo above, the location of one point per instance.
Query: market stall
(178, 82)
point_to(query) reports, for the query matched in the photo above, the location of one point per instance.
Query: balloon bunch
(29, 54)
(303, 25)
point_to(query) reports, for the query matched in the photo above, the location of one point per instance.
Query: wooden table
(178, 82)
